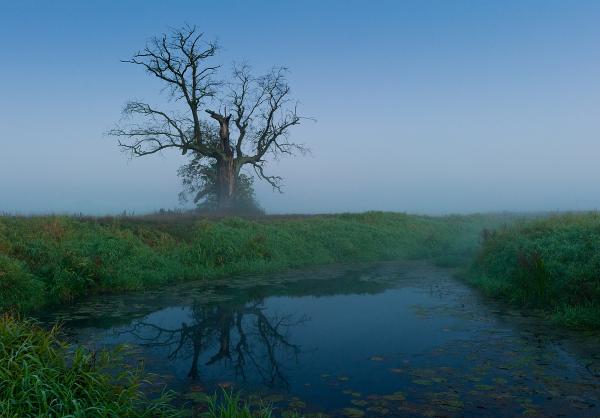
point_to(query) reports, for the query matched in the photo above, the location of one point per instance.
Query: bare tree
(231, 123)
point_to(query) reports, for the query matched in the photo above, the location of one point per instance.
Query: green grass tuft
(229, 405)
(42, 376)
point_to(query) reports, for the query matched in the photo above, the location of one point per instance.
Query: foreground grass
(41, 376)
(551, 264)
(229, 405)
(50, 260)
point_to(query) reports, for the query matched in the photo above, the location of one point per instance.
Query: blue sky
(421, 106)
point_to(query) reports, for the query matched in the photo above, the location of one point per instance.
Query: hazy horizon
(422, 107)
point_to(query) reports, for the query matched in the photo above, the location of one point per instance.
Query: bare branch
(177, 59)
(274, 181)
(263, 115)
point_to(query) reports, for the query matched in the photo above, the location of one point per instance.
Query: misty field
(549, 263)
(50, 260)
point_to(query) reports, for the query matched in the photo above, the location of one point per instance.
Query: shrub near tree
(200, 185)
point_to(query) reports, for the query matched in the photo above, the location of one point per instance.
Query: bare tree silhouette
(253, 118)
(241, 335)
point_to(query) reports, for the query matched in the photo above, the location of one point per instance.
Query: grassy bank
(42, 376)
(551, 264)
(49, 260)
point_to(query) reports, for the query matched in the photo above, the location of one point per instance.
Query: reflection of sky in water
(415, 331)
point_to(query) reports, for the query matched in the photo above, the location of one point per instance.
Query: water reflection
(241, 336)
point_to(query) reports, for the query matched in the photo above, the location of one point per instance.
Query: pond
(387, 339)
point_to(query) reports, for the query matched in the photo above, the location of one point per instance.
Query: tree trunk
(226, 184)
(227, 169)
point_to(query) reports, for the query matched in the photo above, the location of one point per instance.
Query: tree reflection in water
(240, 336)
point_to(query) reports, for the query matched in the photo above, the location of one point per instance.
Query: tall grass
(42, 376)
(229, 405)
(551, 264)
(49, 260)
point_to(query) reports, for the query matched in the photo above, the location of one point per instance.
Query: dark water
(370, 340)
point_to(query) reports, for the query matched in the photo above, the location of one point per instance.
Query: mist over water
(420, 107)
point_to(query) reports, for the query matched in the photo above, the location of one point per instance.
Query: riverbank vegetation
(42, 376)
(50, 260)
(551, 263)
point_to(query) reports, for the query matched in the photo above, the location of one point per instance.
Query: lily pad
(379, 410)
(396, 396)
(274, 398)
(199, 397)
(422, 382)
(353, 412)
(297, 404)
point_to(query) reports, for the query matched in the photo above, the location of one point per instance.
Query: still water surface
(388, 339)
